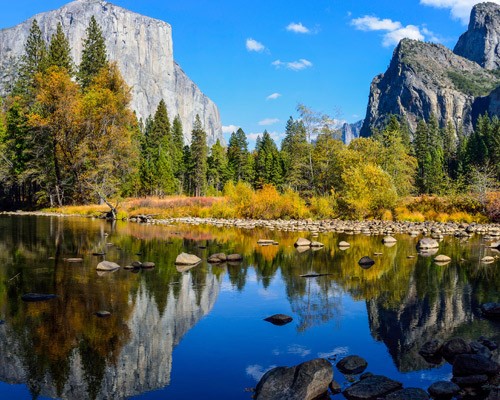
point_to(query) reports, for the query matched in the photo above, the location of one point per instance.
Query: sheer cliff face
(144, 363)
(425, 78)
(141, 46)
(481, 42)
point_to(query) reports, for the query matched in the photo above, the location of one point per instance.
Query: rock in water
(443, 390)
(474, 364)
(143, 50)
(305, 381)
(103, 314)
(148, 265)
(217, 258)
(187, 259)
(389, 239)
(408, 394)
(372, 387)
(234, 257)
(491, 310)
(352, 365)
(427, 243)
(302, 242)
(442, 259)
(33, 297)
(366, 262)
(454, 347)
(279, 319)
(107, 266)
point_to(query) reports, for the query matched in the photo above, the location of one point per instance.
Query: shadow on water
(60, 348)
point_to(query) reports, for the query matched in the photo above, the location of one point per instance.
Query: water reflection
(61, 349)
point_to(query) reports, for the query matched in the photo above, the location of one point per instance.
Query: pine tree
(34, 60)
(199, 154)
(294, 155)
(218, 169)
(160, 145)
(177, 151)
(60, 51)
(268, 166)
(94, 56)
(238, 157)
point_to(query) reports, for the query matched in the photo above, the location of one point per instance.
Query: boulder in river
(442, 259)
(33, 297)
(474, 364)
(148, 265)
(388, 240)
(234, 257)
(317, 244)
(103, 314)
(443, 390)
(107, 266)
(217, 258)
(427, 243)
(279, 319)
(305, 381)
(366, 262)
(352, 365)
(430, 348)
(187, 259)
(454, 347)
(487, 259)
(302, 242)
(344, 245)
(373, 387)
(74, 260)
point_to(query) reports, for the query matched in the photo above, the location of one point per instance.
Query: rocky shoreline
(369, 227)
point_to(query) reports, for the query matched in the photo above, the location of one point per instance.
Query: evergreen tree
(199, 154)
(33, 61)
(218, 168)
(294, 155)
(60, 52)
(238, 157)
(268, 166)
(177, 151)
(160, 145)
(94, 56)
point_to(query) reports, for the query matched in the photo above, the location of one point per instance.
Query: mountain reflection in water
(59, 348)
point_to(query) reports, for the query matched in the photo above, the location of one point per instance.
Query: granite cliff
(141, 46)
(425, 78)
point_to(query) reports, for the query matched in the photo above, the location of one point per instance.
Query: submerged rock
(33, 297)
(103, 314)
(305, 381)
(107, 266)
(148, 265)
(279, 319)
(234, 257)
(317, 244)
(74, 260)
(427, 243)
(372, 387)
(187, 259)
(352, 365)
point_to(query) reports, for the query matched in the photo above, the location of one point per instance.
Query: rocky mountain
(425, 78)
(481, 42)
(351, 131)
(141, 46)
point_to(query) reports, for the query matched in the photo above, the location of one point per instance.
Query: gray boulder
(234, 257)
(305, 381)
(454, 347)
(302, 242)
(427, 244)
(352, 365)
(409, 394)
(371, 388)
(443, 389)
(217, 258)
(187, 259)
(474, 364)
(107, 266)
(279, 319)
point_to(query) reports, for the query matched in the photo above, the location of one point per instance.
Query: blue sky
(257, 60)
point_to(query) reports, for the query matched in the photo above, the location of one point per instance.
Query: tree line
(68, 136)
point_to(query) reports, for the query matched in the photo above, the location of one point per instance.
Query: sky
(258, 60)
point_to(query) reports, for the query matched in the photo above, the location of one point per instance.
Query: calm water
(200, 333)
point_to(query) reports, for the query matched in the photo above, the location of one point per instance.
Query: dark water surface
(200, 333)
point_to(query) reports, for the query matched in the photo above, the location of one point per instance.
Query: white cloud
(394, 37)
(459, 9)
(257, 371)
(268, 121)
(394, 30)
(293, 65)
(297, 28)
(229, 128)
(253, 45)
(273, 96)
(368, 23)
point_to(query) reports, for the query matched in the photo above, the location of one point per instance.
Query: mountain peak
(481, 42)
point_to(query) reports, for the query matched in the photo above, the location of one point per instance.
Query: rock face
(141, 46)
(425, 79)
(481, 42)
(351, 131)
(305, 381)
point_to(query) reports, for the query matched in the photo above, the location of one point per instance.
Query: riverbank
(314, 227)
